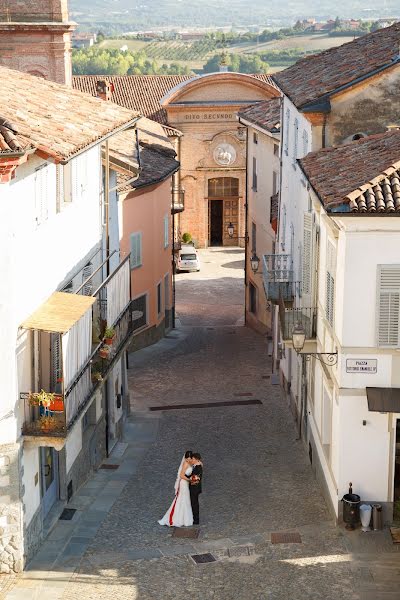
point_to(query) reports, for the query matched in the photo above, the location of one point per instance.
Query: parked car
(187, 259)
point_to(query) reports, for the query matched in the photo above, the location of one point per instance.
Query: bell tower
(35, 37)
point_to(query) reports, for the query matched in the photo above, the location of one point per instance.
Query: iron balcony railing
(178, 200)
(55, 414)
(278, 278)
(289, 317)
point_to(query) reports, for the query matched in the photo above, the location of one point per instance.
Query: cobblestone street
(257, 480)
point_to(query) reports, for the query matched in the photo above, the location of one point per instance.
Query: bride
(180, 513)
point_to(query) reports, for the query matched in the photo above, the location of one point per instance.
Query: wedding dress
(180, 513)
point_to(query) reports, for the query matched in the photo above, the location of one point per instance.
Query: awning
(59, 313)
(385, 400)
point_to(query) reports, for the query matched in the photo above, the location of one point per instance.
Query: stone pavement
(257, 481)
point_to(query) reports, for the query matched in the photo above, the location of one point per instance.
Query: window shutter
(88, 287)
(305, 143)
(307, 253)
(283, 240)
(56, 371)
(60, 186)
(296, 142)
(136, 250)
(41, 194)
(287, 131)
(330, 281)
(389, 305)
(166, 231)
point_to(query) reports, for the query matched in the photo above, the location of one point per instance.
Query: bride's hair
(188, 453)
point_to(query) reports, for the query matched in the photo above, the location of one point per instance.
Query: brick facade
(35, 37)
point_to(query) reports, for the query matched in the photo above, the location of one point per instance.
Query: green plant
(109, 332)
(97, 376)
(186, 238)
(47, 422)
(41, 398)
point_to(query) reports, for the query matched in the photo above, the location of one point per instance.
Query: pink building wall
(144, 211)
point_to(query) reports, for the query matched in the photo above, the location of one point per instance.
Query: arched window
(223, 187)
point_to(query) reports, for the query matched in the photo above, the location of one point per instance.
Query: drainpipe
(246, 213)
(107, 201)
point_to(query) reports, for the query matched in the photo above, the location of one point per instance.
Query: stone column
(11, 512)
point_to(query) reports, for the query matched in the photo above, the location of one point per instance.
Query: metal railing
(178, 200)
(278, 278)
(289, 317)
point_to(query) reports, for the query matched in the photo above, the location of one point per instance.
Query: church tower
(35, 37)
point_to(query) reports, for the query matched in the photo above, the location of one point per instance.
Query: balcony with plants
(86, 336)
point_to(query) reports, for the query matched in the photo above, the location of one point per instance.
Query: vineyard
(178, 50)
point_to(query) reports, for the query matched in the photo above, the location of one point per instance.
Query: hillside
(132, 15)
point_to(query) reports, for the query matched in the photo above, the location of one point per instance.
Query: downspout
(246, 206)
(107, 200)
(324, 131)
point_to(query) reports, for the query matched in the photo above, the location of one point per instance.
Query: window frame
(139, 262)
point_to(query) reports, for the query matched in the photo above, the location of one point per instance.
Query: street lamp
(231, 231)
(299, 339)
(255, 262)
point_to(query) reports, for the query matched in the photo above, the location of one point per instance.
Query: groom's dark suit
(195, 490)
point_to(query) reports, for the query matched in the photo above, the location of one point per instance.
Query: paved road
(257, 482)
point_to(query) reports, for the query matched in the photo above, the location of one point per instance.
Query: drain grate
(180, 532)
(206, 405)
(201, 559)
(281, 537)
(67, 514)
(108, 466)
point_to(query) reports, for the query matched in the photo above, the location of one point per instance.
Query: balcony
(289, 317)
(278, 278)
(178, 200)
(86, 335)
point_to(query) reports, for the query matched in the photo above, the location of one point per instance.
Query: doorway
(49, 477)
(396, 495)
(216, 222)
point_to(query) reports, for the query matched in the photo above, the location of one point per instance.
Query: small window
(254, 174)
(255, 137)
(252, 298)
(136, 250)
(159, 301)
(166, 231)
(276, 149)
(254, 237)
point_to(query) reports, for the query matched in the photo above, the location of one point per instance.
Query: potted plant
(109, 335)
(41, 398)
(47, 423)
(187, 238)
(104, 351)
(96, 376)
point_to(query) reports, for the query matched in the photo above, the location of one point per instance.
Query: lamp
(299, 339)
(255, 262)
(231, 230)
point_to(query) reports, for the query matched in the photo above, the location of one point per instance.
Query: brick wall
(34, 10)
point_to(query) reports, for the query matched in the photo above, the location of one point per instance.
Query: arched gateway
(213, 151)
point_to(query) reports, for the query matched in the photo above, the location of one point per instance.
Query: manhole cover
(281, 537)
(107, 466)
(239, 551)
(201, 559)
(67, 514)
(180, 532)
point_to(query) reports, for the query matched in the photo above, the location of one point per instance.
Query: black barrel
(351, 508)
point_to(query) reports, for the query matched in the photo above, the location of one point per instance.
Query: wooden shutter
(136, 250)
(56, 370)
(307, 253)
(389, 305)
(330, 281)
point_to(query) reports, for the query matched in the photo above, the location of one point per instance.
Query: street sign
(361, 365)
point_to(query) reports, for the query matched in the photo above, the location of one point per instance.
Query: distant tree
(338, 23)
(100, 37)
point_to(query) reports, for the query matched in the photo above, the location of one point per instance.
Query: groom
(195, 485)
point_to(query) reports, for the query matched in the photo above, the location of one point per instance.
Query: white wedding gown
(180, 512)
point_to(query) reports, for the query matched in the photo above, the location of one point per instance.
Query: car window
(188, 257)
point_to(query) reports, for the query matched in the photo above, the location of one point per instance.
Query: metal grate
(107, 466)
(206, 405)
(180, 532)
(282, 537)
(201, 559)
(238, 551)
(67, 514)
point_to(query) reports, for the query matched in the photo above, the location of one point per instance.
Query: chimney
(104, 89)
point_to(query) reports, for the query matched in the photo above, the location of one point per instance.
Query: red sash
(171, 514)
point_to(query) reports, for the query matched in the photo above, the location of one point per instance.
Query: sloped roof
(142, 92)
(360, 177)
(265, 114)
(54, 118)
(10, 140)
(313, 77)
(157, 155)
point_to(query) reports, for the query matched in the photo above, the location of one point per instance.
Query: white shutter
(307, 253)
(305, 142)
(283, 230)
(88, 287)
(136, 250)
(330, 281)
(287, 131)
(389, 305)
(60, 186)
(41, 194)
(296, 142)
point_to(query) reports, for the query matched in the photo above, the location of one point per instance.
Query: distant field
(195, 54)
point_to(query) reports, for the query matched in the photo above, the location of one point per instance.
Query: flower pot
(104, 352)
(57, 405)
(109, 341)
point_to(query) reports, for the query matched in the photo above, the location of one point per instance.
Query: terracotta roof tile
(265, 114)
(11, 141)
(362, 176)
(54, 118)
(320, 74)
(141, 92)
